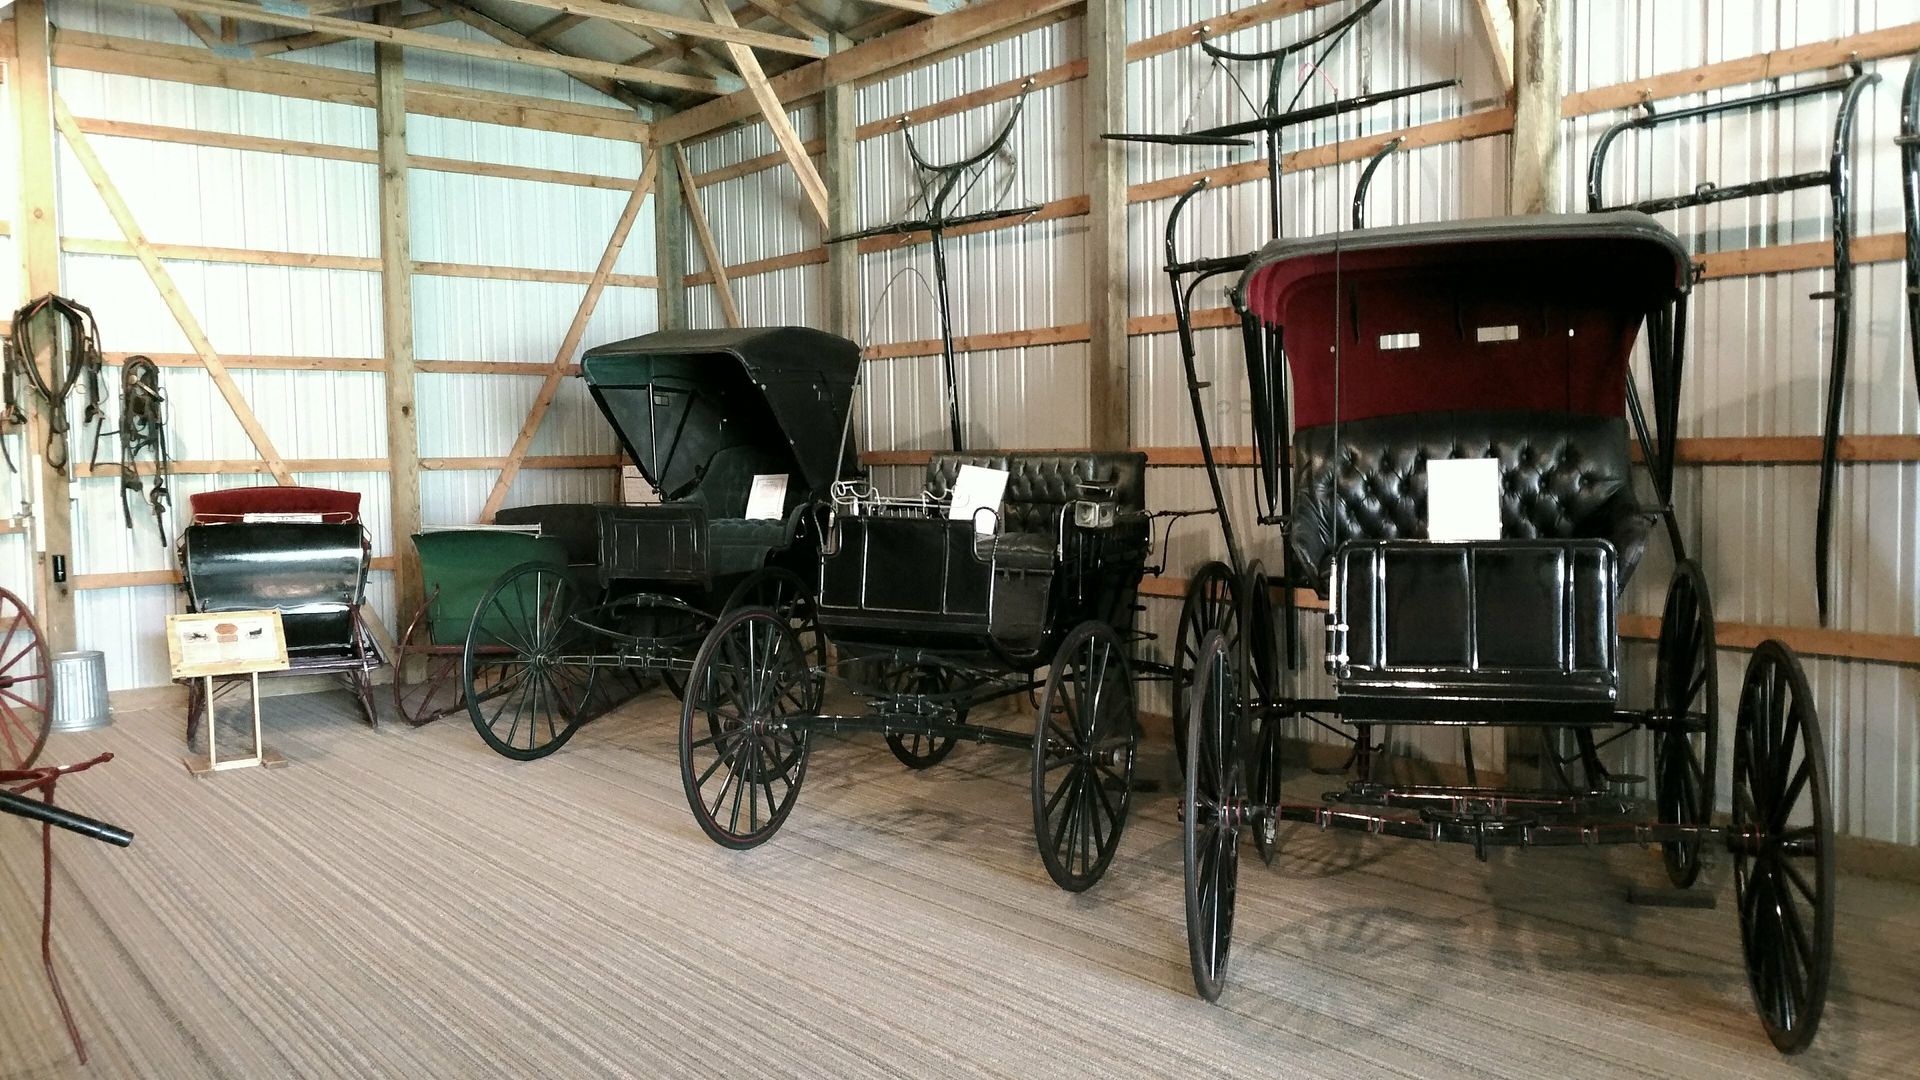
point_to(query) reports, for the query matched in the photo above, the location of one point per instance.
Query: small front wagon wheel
(1084, 744)
(1211, 813)
(743, 727)
(526, 670)
(1782, 843)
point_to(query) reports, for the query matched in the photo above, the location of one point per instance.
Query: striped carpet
(407, 904)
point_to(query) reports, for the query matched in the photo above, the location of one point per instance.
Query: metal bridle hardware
(143, 424)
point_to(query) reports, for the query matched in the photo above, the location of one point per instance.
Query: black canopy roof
(678, 399)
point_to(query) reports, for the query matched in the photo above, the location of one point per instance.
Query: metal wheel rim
(1086, 716)
(524, 671)
(1212, 603)
(1210, 840)
(26, 685)
(750, 681)
(1686, 682)
(1786, 912)
(438, 692)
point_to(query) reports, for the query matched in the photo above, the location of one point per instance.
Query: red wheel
(26, 685)
(435, 690)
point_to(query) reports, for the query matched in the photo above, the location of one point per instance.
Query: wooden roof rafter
(462, 11)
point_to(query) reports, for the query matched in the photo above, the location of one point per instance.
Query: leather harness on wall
(143, 429)
(83, 360)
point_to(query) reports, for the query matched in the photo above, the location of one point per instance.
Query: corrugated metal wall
(187, 194)
(1758, 344)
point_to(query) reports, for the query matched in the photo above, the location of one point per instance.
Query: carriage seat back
(1042, 483)
(234, 504)
(573, 526)
(1563, 476)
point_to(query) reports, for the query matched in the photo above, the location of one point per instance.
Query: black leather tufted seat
(1564, 476)
(1041, 487)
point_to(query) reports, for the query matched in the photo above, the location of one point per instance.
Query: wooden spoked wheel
(526, 670)
(1212, 603)
(1782, 843)
(426, 678)
(920, 749)
(1686, 689)
(26, 685)
(1212, 813)
(1085, 741)
(743, 726)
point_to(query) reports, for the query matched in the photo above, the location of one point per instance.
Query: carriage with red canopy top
(1510, 343)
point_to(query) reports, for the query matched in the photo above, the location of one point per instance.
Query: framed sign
(225, 643)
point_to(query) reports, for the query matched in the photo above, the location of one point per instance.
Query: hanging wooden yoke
(77, 357)
(143, 430)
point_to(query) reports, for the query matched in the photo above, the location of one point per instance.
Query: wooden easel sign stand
(225, 644)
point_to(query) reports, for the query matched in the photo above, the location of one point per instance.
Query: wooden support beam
(1104, 108)
(554, 27)
(396, 323)
(791, 14)
(867, 59)
(1496, 25)
(1535, 171)
(726, 32)
(811, 186)
(507, 35)
(667, 47)
(169, 292)
(440, 43)
(38, 237)
(839, 123)
(287, 78)
(729, 310)
(670, 246)
(563, 357)
(286, 43)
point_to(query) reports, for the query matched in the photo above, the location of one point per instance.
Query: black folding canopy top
(777, 397)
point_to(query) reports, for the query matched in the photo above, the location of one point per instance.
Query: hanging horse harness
(81, 353)
(143, 430)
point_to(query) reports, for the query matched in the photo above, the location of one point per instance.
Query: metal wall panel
(213, 197)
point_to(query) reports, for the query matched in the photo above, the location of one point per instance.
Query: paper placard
(225, 643)
(978, 489)
(1463, 499)
(265, 518)
(768, 497)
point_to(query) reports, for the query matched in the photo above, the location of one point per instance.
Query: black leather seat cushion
(1041, 482)
(1562, 475)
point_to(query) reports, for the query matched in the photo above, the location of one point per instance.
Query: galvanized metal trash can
(80, 691)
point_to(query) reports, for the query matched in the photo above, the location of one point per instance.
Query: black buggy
(1510, 339)
(631, 591)
(928, 619)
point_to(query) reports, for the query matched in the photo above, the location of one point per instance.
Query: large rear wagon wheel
(26, 685)
(1686, 689)
(1211, 814)
(526, 668)
(1212, 603)
(1782, 843)
(1085, 742)
(743, 727)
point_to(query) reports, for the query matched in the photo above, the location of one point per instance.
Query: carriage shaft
(913, 724)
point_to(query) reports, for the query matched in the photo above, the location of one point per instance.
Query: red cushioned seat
(233, 504)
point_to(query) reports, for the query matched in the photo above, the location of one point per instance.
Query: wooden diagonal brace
(811, 186)
(563, 358)
(169, 292)
(722, 286)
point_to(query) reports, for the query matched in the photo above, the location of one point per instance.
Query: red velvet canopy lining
(1514, 324)
(232, 504)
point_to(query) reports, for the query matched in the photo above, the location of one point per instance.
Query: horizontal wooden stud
(810, 257)
(531, 461)
(1011, 339)
(366, 264)
(133, 579)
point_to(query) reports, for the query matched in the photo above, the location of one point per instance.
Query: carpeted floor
(407, 904)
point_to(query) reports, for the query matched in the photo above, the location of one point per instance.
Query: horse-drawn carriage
(739, 431)
(300, 550)
(931, 617)
(1511, 340)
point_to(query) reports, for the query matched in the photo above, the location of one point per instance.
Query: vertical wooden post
(843, 194)
(396, 311)
(1106, 110)
(38, 235)
(670, 242)
(1537, 186)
